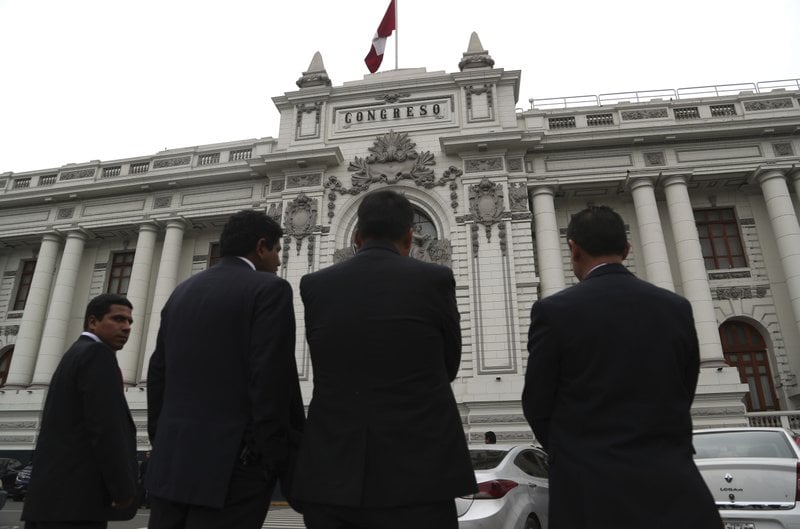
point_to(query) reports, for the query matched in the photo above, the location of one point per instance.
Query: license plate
(740, 525)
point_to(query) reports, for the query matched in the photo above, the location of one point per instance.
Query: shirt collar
(248, 261)
(91, 335)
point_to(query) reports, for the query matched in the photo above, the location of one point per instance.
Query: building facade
(707, 184)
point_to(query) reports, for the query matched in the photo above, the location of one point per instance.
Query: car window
(530, 464)
(486, 459)
(713, 445)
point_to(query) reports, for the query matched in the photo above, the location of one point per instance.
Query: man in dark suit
(223, 396)
(384, 446)
(84, 467)
(611, 377)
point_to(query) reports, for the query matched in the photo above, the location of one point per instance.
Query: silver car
(753, 474)
(512, 489)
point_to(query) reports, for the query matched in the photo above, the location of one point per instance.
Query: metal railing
(549, 103)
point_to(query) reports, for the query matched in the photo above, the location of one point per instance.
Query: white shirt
(246, 260)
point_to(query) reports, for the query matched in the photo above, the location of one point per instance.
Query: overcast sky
(82, 80)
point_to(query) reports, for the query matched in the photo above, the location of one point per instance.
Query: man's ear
(357, 239)
(627, 250)
(405, 242)
(575, 251)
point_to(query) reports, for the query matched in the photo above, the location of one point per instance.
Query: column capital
(78, 233)
(53, 237)
(178, 222)
(669, 180)
(768, 172)
(149, 225)
(636, 182)
(542, 190)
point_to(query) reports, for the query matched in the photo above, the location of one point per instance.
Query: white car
(753, 474)
(513, 490)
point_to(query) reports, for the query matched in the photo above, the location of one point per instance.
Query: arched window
(744, 349)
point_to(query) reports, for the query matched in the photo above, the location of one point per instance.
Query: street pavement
(279, 517)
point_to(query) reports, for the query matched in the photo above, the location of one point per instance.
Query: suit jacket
(223, 375)
(383, 425)
(86, 452)
(611, 377)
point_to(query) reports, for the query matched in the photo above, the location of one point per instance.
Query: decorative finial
(315, 75)
(475, 56)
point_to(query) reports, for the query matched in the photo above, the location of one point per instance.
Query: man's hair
(599, 230)
(385, 215)
(101, 305)
(243, 231)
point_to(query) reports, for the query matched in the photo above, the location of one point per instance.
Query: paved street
(278, 518)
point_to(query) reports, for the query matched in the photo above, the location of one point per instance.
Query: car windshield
(742, 444)
(486, 459)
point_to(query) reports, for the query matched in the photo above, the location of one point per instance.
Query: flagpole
(396, 33)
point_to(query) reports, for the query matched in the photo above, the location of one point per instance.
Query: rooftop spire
(475, 56)
(315, 75)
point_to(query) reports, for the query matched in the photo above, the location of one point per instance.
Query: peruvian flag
(375, 55)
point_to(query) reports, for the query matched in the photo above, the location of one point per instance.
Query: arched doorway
(744, 348)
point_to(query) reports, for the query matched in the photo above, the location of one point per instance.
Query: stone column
(138, 290)
(548, 241)
(54, 336)
(654, 249)
(795, 177)
(166, 281)
(784, 222)
(30, 328)
(693, 271)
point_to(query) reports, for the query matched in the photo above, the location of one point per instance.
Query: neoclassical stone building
(708, 185)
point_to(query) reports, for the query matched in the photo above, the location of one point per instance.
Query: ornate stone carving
(65, 213)
(514, 165)
(518, 197)
(74, 175)
(343, 254)
(484, 164)
(276, 186)
(172, 162)
(301, 218)
(645, 114)
(308, 108)
(275, 211)
(425, 248)
(393, 97)
(783, 149)
(10, 330)
(162, 202)
(747, 222)
(747, 292)
(393, 158)
(654, 158)
(768, 104)
(475, 56)
(486, 204)
(304, 180)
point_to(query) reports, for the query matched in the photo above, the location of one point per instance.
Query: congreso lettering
(383, 114)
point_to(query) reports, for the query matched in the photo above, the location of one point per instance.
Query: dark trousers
(246, 506)
(440, 515)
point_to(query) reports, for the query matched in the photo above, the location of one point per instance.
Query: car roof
(743, 429)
